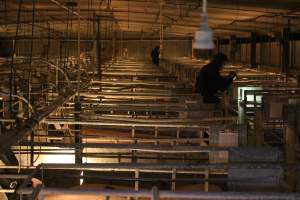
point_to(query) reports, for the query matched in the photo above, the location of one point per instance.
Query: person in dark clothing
(155, 55)
(209, 81)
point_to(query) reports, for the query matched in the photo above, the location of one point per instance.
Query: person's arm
(199, 83)
(223, 83)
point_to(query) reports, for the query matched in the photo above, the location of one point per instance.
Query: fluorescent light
(204, 35)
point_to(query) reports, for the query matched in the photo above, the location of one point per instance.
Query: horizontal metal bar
(166, 149)
(128, 124)
(165, 171)
(160, 179)
(13, 176)
(7, 191)
(169, 194)
(148, 95)
(152, 166)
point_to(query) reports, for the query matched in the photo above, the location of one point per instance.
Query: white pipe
(7, 191)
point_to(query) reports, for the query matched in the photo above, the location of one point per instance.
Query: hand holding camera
(232, 75)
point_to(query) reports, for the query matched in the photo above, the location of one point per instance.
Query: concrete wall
(142, 49)
(138, 48)
(268, 53)
(40, 48)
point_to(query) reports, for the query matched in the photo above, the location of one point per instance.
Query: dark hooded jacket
(155, 55)
(209, 81)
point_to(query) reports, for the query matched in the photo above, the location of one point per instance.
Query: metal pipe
(198, 171)
(78, 51)
(55, 66)
(19, 97)
(169, 194)
(7, 120)
(204, 6)
(129, 124)
(7, 191)
(132, 140)
(10, 137)
(68, 9)
(137, 147)
(13, 176)
(131, 94)
(169, 180)
(131, 83)
(152, 166)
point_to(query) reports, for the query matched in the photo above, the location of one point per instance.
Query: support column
(78, 148)
(99, 47)
(285, 50)
(193, 52)
(253, 49)
(114, 53)
(291, 115)
(32, 149)
(134, 153)
(1, 115)
(232, 43)
(218, 45)
(259, 134)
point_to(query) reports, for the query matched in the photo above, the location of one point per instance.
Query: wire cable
(12, 79)
(31, 50)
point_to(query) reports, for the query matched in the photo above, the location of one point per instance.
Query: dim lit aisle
(133, 105)
(134, 128)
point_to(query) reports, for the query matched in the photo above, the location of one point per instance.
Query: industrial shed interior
(85, 114)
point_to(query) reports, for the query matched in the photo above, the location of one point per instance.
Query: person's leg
(211, 99)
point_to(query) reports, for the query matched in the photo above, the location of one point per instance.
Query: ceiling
(143, 18)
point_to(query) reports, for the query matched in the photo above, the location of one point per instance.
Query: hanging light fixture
(204, 35)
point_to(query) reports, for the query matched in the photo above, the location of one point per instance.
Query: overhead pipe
(68, 9)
